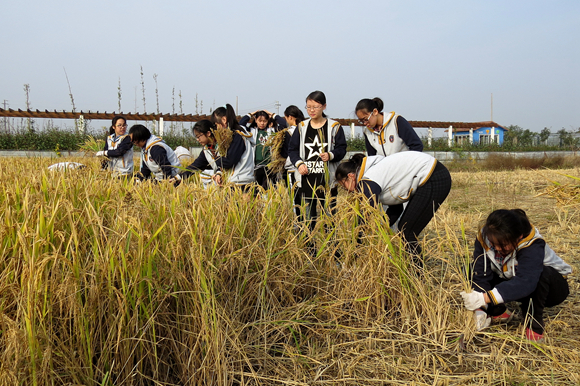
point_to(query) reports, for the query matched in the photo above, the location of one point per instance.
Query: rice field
(103, 282)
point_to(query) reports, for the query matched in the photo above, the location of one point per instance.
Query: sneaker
(506, 317)
(534, 336)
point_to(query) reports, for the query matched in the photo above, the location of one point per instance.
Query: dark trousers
(264, 177)
(312, 205)
(422, 207)
(552, 289)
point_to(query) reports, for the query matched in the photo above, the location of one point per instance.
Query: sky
(427, 60)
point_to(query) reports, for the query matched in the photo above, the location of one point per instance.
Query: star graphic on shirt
(315, 145)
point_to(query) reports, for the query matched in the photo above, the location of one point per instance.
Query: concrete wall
(440, 155)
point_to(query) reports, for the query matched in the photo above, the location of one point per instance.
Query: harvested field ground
(108, 283)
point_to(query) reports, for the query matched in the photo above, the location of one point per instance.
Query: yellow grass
(107, 283)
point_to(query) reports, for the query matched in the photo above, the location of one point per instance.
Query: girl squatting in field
(512, 262)
(316, 147)
(118, 149)
(158, 161)
(413, 177)
(263, 124)
(239, 158)
(385, 134)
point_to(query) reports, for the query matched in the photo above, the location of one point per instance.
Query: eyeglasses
(197, 136)
(366, 120)
(313, 107)
(121, 125)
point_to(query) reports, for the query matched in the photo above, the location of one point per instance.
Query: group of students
(511, 261)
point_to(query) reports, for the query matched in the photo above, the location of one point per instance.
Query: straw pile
(103, 282)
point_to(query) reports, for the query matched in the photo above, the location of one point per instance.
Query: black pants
(312, 204)
(422, 207)
(552, 289)
(264, 177)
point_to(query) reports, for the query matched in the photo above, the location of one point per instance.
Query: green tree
(544, 135)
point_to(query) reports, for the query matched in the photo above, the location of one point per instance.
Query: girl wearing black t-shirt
(316, 147)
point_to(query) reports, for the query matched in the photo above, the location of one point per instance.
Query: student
(263, 124)
(316, 147)
(293, 116)
(385, 134)
(158, 161)
(413, 177)
(118, 149)
(512, 262)
(239, 157)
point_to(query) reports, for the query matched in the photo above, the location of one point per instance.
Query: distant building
(482, 133)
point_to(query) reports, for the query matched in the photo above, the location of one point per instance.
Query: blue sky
(427, 60)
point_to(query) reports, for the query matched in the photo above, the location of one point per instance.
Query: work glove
(473, 300)
(481, 319)
(100, 153)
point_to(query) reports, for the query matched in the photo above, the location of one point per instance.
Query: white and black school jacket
(119, 150)
(391, 138)
(239, 160)
(336, 148)
(398, 175)
(289, 165)
(521, 269)
(151, 166)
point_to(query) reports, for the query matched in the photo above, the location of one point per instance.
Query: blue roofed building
(479, 133)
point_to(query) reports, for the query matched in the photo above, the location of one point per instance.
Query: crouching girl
(512, 262)
(158, 161)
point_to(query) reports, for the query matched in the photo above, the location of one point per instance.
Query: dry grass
(106, 283)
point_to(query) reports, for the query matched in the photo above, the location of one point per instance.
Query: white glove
(100, 153)
(473, 300)
(481, 320)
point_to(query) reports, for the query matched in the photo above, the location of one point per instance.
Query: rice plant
(103, 282)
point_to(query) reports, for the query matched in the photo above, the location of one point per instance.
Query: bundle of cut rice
(276, 143)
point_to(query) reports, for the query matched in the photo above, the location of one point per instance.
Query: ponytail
(231, 119)
(369, 105)
(353, 165)
(294, 111)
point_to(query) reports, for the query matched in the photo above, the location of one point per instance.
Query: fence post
(430, 136)
(161, 126)
(450, 137)
(471, 136)
(352, 130)
(82, 126)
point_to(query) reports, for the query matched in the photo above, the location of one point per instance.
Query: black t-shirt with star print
(315, 143)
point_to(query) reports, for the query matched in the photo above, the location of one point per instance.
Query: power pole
(277, 104)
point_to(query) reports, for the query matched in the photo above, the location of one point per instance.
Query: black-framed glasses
(366, 120)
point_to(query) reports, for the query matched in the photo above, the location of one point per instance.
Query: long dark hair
(507, 226)
(369, 105)
(318, 97)
(294, 111)
(353, 165)
(114, 122)
(231, 119)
